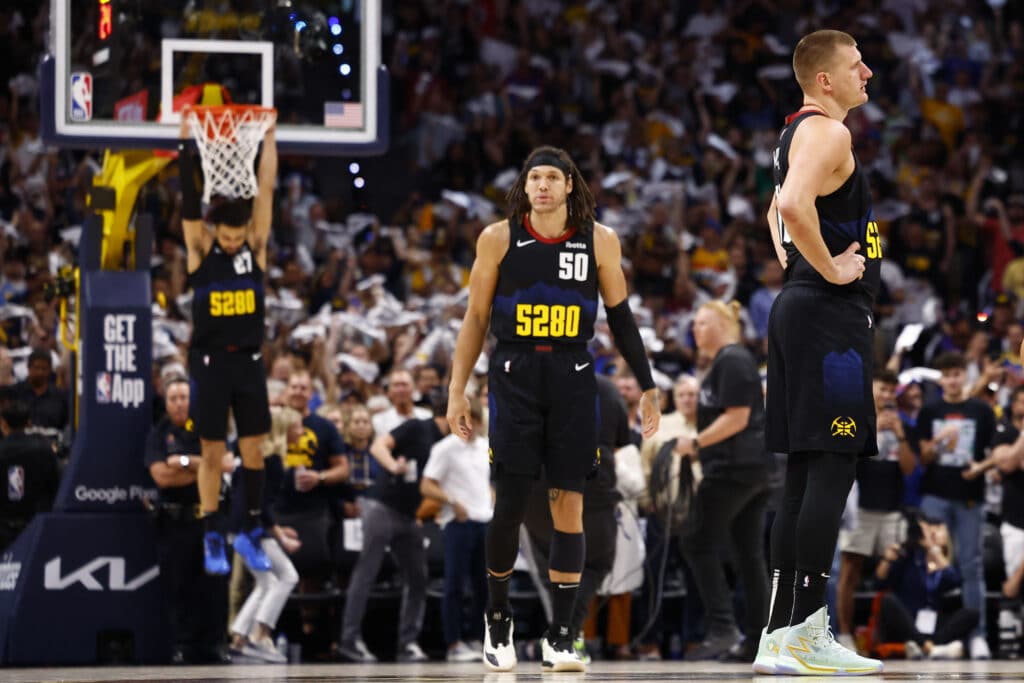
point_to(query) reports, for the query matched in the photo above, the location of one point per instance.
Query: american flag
(343, 115)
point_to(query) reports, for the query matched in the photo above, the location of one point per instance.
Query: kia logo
(53, 580)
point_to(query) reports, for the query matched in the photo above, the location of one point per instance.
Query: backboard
(119, 71)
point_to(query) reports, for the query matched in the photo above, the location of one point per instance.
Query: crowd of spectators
(671, 111)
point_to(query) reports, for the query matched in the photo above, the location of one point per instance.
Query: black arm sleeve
(190, 209)
(629, 342)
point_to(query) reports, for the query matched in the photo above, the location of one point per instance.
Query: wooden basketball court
(528, 671)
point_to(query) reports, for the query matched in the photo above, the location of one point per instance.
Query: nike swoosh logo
(580, 367)
(523, 243)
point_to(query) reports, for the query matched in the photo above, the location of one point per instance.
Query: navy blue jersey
(845, 217)
(547, 288)
(227, 301)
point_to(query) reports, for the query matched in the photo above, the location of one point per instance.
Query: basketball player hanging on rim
(225, 270)
(536, 280)
(820, 408)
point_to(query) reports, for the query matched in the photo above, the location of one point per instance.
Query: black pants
(729, 512)
(313, 558)
(196, 602)
(896, 624)
(647, 609)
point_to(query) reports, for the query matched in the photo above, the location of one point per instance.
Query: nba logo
(103, 387)
(15, 483)
(81, 96)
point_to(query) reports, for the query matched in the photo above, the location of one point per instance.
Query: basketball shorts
(819, 374)
(543, 413)
(223, 380)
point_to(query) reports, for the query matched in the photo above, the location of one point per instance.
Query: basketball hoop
(228, 137)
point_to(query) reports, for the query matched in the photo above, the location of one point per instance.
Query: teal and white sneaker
(810, 649)
(768, 650)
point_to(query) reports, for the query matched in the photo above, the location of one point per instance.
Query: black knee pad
(511, 495)
(567, 552)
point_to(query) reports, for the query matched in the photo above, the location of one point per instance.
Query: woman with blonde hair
(252, 627)
(733, 495)
(357, 432)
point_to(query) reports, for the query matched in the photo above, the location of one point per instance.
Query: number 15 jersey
(547, 288)
(845, 217)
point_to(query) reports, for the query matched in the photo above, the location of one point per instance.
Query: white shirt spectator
(463, 471)
(386, 420)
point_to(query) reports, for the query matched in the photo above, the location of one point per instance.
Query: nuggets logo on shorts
(844, 426)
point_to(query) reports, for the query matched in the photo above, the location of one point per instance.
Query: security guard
(30, 463)
(196, 602)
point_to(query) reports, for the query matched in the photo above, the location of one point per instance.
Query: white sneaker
(357, 652)
(768, 650)
(460, 652)
(560, 655)
(499, 650)
(979, 648)
(954, 650)
(913, 651)
(263, 649)
(810, 649)
(412, 653)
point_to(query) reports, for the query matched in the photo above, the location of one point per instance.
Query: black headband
(548, 159)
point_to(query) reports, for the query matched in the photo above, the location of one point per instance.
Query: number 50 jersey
(547, 288)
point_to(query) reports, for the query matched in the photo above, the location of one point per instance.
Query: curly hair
(580, 203)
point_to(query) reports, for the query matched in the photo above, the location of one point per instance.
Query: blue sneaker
(247, 544)
(215, 559)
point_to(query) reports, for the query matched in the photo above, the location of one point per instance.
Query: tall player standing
(225, 270)
(535, 280)
(820, 409)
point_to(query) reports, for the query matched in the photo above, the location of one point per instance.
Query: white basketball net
(228, 138)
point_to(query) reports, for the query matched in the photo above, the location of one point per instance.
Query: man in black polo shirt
(29, 463)
(196, 602)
